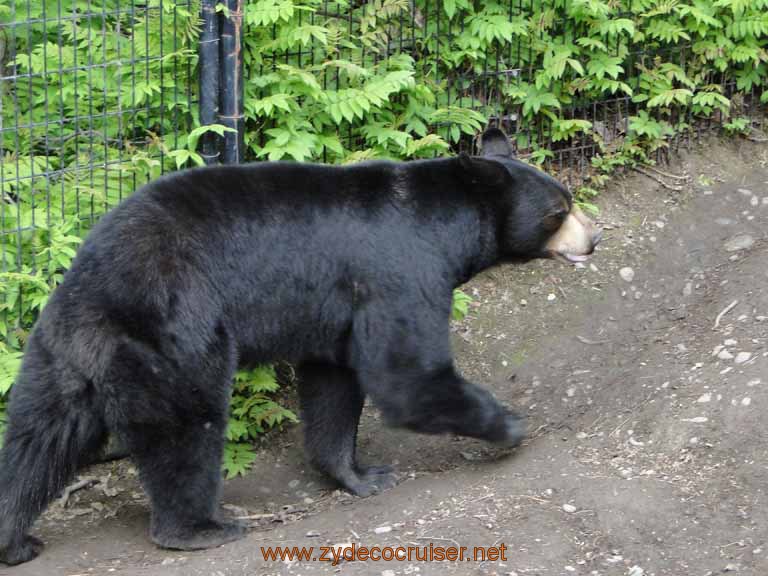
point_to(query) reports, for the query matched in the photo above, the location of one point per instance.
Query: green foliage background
(98, 99)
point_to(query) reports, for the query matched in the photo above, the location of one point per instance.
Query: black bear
(347, 272)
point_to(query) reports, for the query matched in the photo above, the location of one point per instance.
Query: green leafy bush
(104, 103)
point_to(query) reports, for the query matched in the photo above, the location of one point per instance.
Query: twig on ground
(591, 342)
(723, 313)
(86, 482)
(658, 179)
(667, 174)
(255, 517)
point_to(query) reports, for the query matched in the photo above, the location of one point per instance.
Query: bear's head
(538, 216)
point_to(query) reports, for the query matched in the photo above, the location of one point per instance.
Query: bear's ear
(494, 142)
(482, 171)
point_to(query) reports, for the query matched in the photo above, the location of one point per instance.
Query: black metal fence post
(209, 79)
(231, 85)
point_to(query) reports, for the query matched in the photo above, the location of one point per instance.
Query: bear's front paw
(372, 480)
(207, 534)
(511, 431)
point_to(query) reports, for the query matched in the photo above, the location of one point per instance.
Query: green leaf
(460, 307)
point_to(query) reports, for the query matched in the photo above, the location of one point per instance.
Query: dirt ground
(646, 392)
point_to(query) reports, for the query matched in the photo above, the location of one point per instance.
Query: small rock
(696, 419)
(765, 201)
(636, 571)
(745, 192)
(388, 573)
(570, 508)
(382, 529)
(688, 289)
(731, 567)
(523, 302)
(594, 268)
(704, 398)
(739, 242)
(746, 401)
(293, 483)
(754, 201)
(754, 382)
(724, 221)
(731, 342)
(551, 297)
(742, 357)
(724, 355)
(312, 534)
(659, 224)
(627, 274)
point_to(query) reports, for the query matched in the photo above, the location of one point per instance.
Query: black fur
(346, 271)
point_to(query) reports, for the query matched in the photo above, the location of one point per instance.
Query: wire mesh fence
(91, 96)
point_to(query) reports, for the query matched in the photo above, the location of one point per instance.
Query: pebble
(551, 297)
(725, 355)
(746, 401)
(754, 382)
(765, 201)
(742, 357)
(293, 483)
(754, 201)
(696, 420)
(739, 242)
(388, 573)
(731, 342)
(704, 398)
(627, 274)
(724, 221)
(570, 508)
(745, 192)
(688, 289)
(636, 571)
(382, 529)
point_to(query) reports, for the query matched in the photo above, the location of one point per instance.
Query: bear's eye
(555, 219)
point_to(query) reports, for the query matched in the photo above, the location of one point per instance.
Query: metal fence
(95, 95)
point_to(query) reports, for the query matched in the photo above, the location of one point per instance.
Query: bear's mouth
(570, 258)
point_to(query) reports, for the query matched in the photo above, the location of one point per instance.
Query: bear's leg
(404, 363)
(441, 401)
(180, 468)
(331, 403)
(172, 417)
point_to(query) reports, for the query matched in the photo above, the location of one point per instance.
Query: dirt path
(649, 445)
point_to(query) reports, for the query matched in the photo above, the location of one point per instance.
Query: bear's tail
(47, 439)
